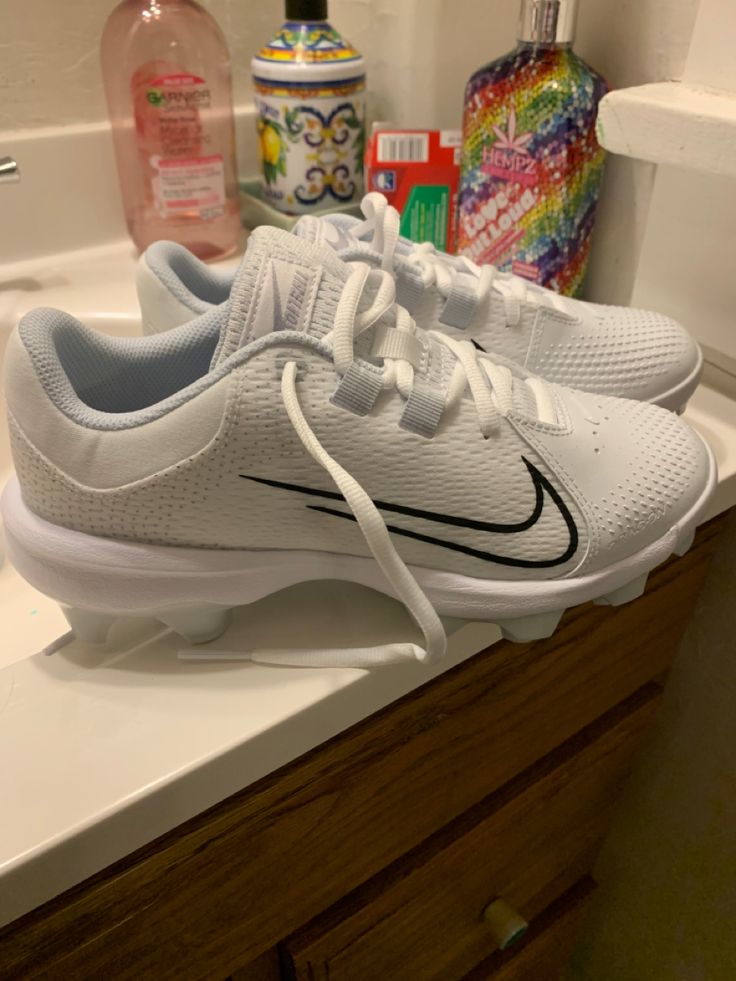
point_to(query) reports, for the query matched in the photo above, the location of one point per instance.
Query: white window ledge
(672, 123)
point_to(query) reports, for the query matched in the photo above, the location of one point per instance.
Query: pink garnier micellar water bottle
(166, 69)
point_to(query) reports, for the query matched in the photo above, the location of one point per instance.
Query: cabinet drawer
(527, 843)
(545, 951)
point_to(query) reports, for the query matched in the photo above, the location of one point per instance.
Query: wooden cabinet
(374, 855)
(528, 843)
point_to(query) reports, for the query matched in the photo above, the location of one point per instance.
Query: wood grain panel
(528, 843)
(267, 967)
(227, 885)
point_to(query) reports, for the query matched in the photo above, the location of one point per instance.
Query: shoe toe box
(638, 471)
(625, 352)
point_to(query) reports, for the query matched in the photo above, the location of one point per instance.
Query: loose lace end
(345, 657)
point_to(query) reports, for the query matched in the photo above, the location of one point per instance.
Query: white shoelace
(491, 388)
(383, 223)
(491, 402)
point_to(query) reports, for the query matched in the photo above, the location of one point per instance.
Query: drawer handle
(505, 924)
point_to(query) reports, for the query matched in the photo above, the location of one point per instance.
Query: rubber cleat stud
(536, 626)
(89, 626)
(198, 624)
(685, 543)
(626, 593)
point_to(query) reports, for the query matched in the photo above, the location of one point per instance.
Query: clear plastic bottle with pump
(166, 69)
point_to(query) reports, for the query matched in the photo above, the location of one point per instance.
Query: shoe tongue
(285, 282)
(337, 232)
(294, 282)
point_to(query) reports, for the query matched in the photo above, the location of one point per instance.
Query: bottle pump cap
(548, 21)
(305, 10)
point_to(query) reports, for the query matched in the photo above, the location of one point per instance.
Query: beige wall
(666, 910)
(421, 51)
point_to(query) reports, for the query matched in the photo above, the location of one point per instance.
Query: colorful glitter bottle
(531, 164)
(310, 96)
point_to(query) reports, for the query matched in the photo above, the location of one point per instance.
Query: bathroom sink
(98, 287)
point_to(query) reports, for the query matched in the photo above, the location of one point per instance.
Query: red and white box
(418, 170)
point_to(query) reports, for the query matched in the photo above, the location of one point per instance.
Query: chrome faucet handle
(9, 170)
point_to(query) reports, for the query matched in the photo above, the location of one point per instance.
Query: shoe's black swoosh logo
(543, 488)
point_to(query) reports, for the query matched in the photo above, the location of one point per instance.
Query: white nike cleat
(605, 350)
(307, 429)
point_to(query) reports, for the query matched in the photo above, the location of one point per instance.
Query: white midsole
(138, 579)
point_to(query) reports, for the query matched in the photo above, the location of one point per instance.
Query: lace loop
(491, 385)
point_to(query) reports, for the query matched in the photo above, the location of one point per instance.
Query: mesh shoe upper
(601, 349)
(615, 351)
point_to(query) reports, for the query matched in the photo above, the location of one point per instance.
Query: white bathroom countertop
(104, 749)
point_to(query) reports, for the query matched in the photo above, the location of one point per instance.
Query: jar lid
(308, 51)
(305, 10)
(548, 21)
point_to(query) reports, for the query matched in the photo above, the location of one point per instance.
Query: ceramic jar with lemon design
(310, 95)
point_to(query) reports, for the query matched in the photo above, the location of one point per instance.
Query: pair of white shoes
(300, 424)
